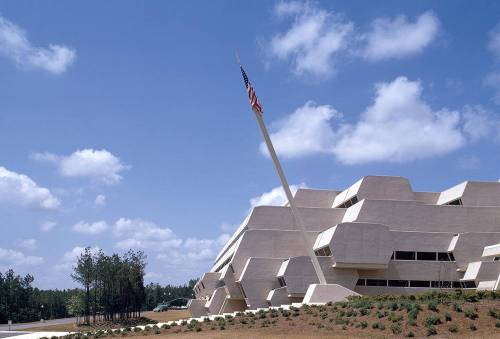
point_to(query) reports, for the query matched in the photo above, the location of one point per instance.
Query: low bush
(432, 320)
(453, 328)
(396, 328)
(472, 327)
(470, 313)
(431, 330)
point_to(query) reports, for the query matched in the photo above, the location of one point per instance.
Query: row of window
(198, 289)
(348, 203)
(426, 256)
(281, 281)
(456, 202)
(416, 283)
(323, 252)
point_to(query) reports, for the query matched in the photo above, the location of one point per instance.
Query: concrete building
(376, 237)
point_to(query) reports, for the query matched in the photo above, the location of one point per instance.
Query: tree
(84, 273)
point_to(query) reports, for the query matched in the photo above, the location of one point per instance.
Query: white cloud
(306, 131)
(12, 259)
(99, 165)
(398, 127)
(90, 228)
(47, 226)
(19, 189)
(29, 244)
(69, 258)
(15, 45)
(395, 38)
(315, 37)
(100, 200)
(275, 197)
(494, 42)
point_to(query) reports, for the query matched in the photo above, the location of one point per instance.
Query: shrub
(497, 324)
(378, 325)
(410, 334)
(431, 330)
(396, 328)
(457, 307)
(165, 326)
(470, 313)
(447, 317)
(453, 328)
(412, 322)
(433, 306)
(494, 312)
(364, 311)
(432, 320)
(472, 327)
(364, 324)
(137, 329)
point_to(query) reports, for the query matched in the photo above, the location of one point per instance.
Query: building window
(398, 283)
(323, 252)
(443, 256)
(496, 259)
(441, 284)
(349, 202)
(376, 282)
(202, 285)
(456, 202)
(361, 282)
(281, 281)
(427, 256)
(420, 283)
(469, 284)
(404, 255)
(456, 284)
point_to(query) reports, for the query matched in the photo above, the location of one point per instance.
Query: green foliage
(363, 324)
(396, 328)
(457, 307)
(431, 330)
(470, 313)
(472, 327)
(494, 312)
(447, 316)
(378, 325)
(433, 305)
(432, 320)
(453, 328)
(410, 334)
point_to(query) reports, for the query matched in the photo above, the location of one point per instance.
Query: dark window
(349, 202)
(282, 282)
(398, 283)
(420, 283)
(404, 255)
(496, 259)
(323, 252)
(443, 256)
(361, 282)
(441, 284)
(376, 282)
(456, 202)
(452, 257)
(456, 284)
(469, 284)
(431, 256)
(202, 285)
(392, 256)
(231, 267)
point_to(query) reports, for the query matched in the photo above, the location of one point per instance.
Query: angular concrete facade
(376, 237)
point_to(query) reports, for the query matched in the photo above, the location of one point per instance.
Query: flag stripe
(252, 96)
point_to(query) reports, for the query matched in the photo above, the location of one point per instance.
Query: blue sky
(125, 124)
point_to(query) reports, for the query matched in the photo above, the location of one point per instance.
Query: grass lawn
(154, 316)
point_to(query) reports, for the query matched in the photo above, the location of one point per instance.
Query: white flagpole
(295, 213)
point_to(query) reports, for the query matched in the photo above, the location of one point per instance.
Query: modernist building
(376, 237)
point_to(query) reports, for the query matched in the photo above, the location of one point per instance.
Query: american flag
(254, 101)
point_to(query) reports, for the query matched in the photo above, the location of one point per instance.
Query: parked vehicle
(175, 304)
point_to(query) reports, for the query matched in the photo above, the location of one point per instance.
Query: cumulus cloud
(29, 244)
(69, 258)
(90, 228)
(313, 40)
(398, 37)
(100, 200)
(47, 226)
(98, 165)
(12, 259)
(14, 44)
(399, 126)
(19, 189)
(275, 197)
(306, 131)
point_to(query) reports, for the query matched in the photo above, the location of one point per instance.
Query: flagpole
(295, 213)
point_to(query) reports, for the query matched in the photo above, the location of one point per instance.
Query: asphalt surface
(23, 326)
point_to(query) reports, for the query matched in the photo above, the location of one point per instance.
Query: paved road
(10, 334)
(23, 326)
